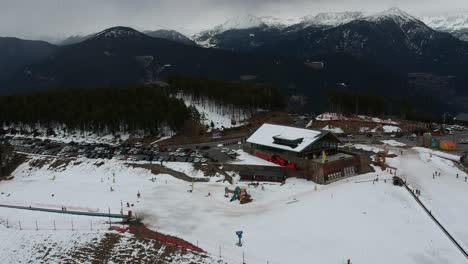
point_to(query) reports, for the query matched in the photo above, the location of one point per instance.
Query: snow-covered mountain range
(273, 27)
(370, 51)
(330, 19)
(456, 25)
(255, 31)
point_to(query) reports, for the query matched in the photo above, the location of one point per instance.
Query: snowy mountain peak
(205, 38)
(447, 23)
(457, 25)
(118, 32)
(241, 22)
(394, 13)
(251, 21)
(331, 19)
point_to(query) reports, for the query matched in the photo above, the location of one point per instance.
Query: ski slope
(290, 223)
(445, 195)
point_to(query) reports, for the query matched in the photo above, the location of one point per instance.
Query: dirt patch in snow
(213, 170)
(39, 163)
(158, 169)
(99, 164)
(60, 163)
(138, 247)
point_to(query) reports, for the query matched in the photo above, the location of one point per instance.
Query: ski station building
(305, 153)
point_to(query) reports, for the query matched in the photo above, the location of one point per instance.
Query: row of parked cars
(130, 152)
(34, 146)
(189, 155)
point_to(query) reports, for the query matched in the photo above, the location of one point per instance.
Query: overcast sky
(37, 18)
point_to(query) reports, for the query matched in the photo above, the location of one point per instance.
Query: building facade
(306, 153)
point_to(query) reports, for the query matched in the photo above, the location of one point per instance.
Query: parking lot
(131, 152)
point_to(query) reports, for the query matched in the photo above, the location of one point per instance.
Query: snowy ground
(336, 130)
(446, 195)
(31, 246)
(391, 129)
(209, 115)
(393, 143)
(292, 223)
(375, 149)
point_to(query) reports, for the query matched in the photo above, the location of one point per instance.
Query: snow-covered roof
(267, 132)
(361, 118)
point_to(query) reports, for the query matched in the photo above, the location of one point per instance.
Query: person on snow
(138, 194)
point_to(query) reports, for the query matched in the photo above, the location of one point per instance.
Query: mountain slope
(120, 56)
(326, 20)
(241, 33)
(391, 38)
(16, 53)
(74, 39)
(249, 32)
(170, 35)
(457, 25)
(162, 33)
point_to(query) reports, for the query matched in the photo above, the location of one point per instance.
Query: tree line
(124, 109)
(239, 95)
(8, 159)
(365, 103)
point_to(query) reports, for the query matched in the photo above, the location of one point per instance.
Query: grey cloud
(35, 18)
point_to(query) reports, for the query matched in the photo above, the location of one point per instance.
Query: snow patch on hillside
(221, 116)
(336, 130)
